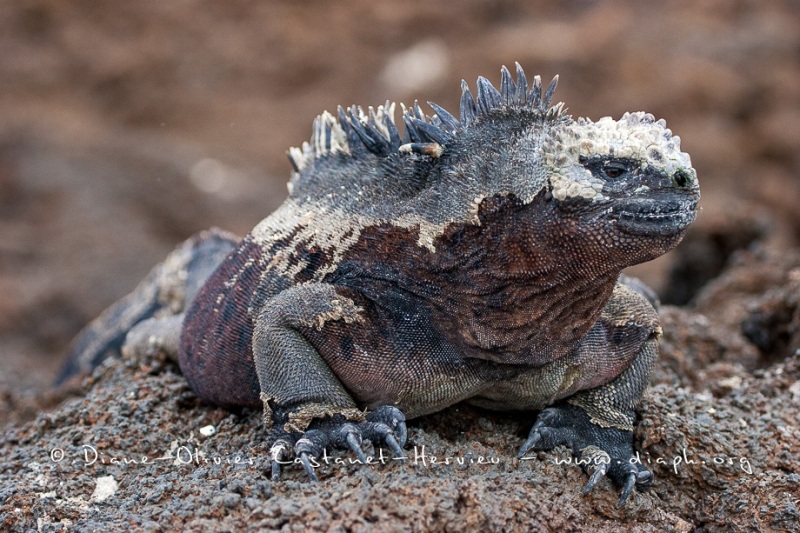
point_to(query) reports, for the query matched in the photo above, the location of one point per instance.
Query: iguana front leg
(597, 424)
(304, 401)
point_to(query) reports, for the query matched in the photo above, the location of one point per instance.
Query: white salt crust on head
(637, 136)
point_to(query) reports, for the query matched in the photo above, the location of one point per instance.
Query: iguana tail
(166, 291)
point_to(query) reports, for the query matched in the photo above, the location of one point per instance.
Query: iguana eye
(614, 170)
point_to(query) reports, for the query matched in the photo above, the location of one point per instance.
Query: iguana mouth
(655, 217)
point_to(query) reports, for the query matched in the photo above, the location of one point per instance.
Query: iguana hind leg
(154, 335)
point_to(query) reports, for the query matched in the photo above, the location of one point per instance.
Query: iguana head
(622, 185)
(630, 171)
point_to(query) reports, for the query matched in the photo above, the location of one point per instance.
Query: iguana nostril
(682, 179)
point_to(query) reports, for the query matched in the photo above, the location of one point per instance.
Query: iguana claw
(601, 451)
(385, 426)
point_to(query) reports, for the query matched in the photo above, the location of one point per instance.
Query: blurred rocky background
(127, 126)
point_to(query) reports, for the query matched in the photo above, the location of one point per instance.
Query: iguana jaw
(657, 217)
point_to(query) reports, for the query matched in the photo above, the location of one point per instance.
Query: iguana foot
(386, 426)
(601, 451)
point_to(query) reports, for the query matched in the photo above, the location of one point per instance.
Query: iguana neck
(526, 295)
(523, 323)
(518, 288)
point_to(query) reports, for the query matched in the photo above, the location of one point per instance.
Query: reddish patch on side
(216, 352)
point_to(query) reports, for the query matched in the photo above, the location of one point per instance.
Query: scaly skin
(474, 260)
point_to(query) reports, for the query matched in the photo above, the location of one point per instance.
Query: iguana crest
(353, 130)
(359, 171)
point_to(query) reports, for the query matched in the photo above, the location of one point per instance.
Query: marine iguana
(472, 259)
